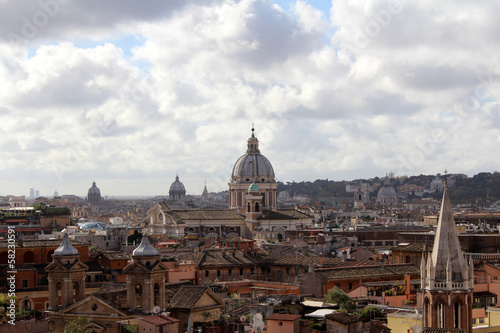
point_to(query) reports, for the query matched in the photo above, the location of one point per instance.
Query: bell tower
(66, 275)
(145, 278)
(447, 277)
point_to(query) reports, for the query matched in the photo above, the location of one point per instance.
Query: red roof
(160, 320)
(283, 317)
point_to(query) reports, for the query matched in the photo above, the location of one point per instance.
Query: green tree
(77, 325)
(339, 297)
(370, 312)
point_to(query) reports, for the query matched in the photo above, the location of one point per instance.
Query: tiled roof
(160, 320)
(343, 318)
(172, 288)
(204, 214)
(368, 271)
(220, 257)
(283, 317)
(187, 296)
(235, 240)
(116, 256)
(284, 214)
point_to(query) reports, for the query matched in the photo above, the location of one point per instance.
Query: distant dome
(253, 166)
(65, 249)
(177, 190)
(94, 193)
(145, 249)
(387, 195)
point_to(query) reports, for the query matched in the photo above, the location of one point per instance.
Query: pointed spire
(66, 249)
(447, 246)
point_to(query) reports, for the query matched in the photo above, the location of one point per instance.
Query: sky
(131, 93)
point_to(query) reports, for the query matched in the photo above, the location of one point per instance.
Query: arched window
(76, 291)
(26, 304)
(248, 207)
(257, 208)
(157, 294)
(138, 295)
(59, 293)
(440, 315)
(408, 259)
(211, 229)
(28, 257)
(49, 255)
(456, 315)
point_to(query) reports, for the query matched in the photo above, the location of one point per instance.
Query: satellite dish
(156, 309)
(243, 318)
(258, 323)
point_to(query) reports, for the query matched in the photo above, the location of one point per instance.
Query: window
(25, 283)
(229, 272)
(268, 270)
(251, 271)
(280, 323)
(218, 273)
(350, 286)
(287, 271)
(206, 273)
(262, 270)
(241, 271)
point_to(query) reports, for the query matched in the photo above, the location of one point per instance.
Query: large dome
(253, 166)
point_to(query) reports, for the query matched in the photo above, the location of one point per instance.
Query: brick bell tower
(145, 278)
(66, 275)
(447, 279)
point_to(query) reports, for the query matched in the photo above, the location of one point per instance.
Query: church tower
(253, 167)
(66, 275)
(145, 278)
(447, 278)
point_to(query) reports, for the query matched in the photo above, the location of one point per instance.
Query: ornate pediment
(57, 266)
(92, 305)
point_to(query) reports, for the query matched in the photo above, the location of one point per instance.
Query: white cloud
(409, 88)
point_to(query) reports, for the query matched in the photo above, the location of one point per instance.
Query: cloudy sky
(130, 93)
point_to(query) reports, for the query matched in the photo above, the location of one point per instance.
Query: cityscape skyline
(129, 95)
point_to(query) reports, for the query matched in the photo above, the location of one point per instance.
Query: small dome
(65, 249)
(253, 188)
(387, 194)
(177, 190)
(145, 249)
(94, 190)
